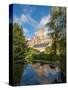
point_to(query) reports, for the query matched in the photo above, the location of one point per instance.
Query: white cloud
(20, 20)
(46, 31)
(15, 19)
(44, 20)
(25, 19)
(25, 10)
(42, 24)
(25, 30)
(32, 21)
(27, 38)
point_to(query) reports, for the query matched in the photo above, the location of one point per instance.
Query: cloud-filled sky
(31, 17)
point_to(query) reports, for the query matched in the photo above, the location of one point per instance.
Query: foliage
(57, 28)
(19, 47)
(48, 50)
(19, 43)
(42, 56)
(29, 54)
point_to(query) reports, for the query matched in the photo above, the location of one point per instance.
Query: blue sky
(31, 17)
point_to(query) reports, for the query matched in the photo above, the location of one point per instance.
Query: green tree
(19, 43)
(19, 47)
(57, 27)
(29, 54)
(48, 50)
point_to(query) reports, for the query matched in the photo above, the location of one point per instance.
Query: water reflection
(36, 74)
